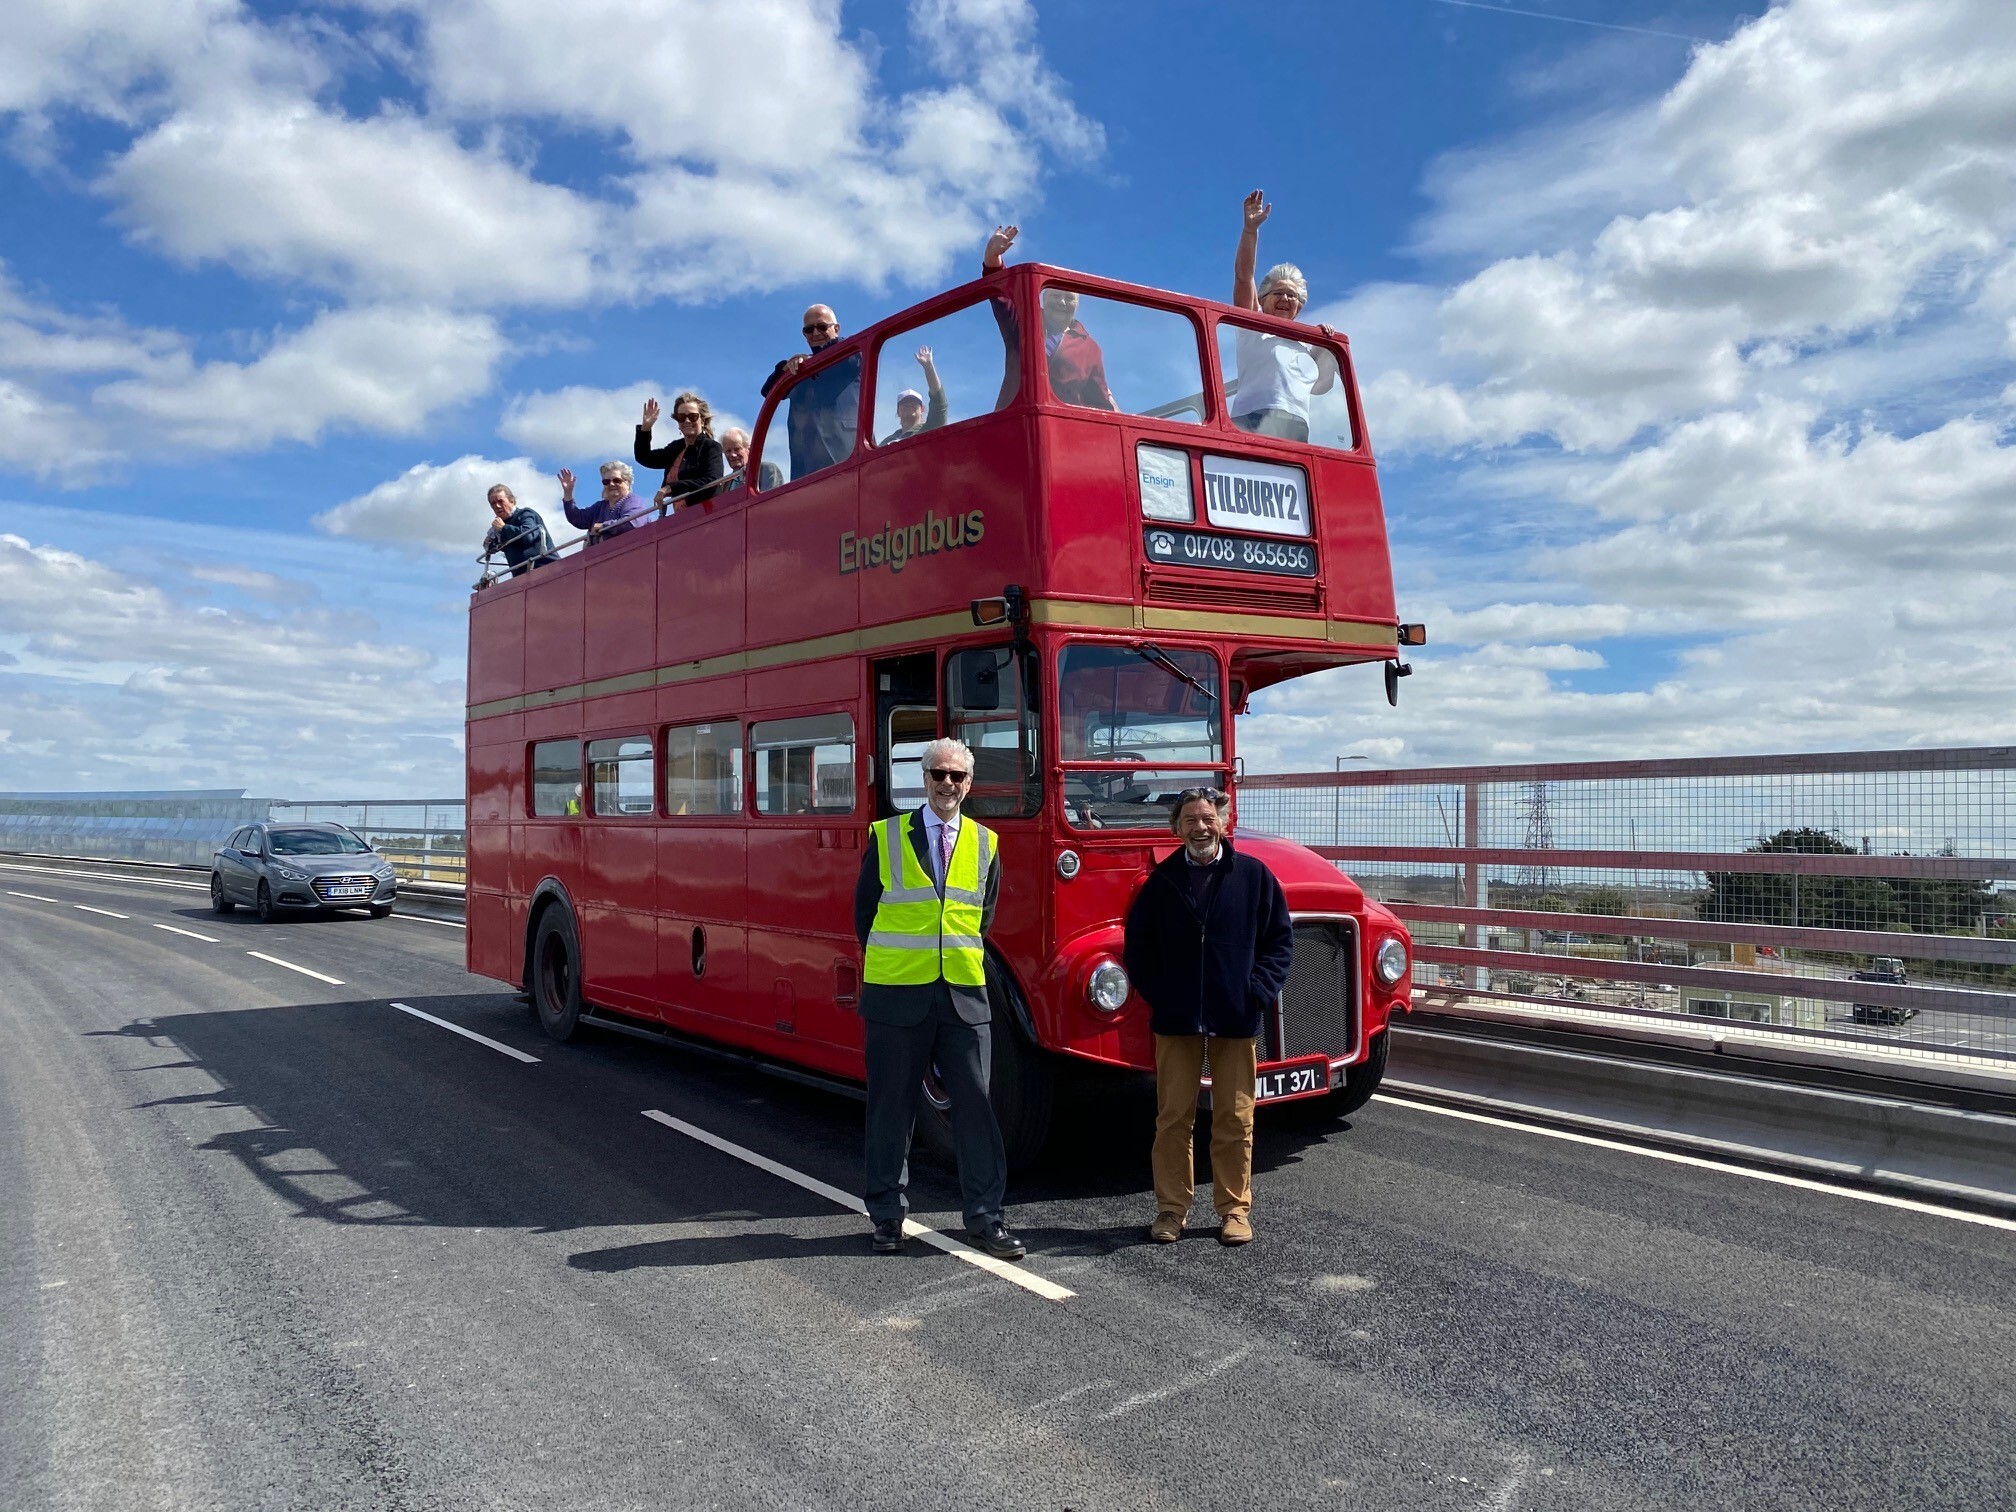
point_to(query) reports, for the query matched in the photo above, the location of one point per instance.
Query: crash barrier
(423, 838)
(1864, 900)
(175, 827)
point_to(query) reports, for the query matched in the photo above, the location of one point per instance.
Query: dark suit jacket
(909, 1005)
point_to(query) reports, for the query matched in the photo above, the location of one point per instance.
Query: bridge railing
(425, 839)
(1863, 898)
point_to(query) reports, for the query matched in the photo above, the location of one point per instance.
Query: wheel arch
(551, 892)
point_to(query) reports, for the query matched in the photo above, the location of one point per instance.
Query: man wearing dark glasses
(1209, 941)
(822, 417)
(922, 905)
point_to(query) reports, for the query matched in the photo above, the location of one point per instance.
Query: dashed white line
(423, 919)
(172, 929)
(261, 955)
(482, 1039)
(1027, 1280)
(92, 876)
(1804, 1183)
(36, 896)
(87, 908)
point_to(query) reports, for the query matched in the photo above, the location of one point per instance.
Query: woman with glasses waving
(691, 462)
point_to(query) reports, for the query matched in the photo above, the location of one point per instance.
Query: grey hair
(1222, 802)
(735, 430)
(945, 746)
(621, 470)
(503, 488)
(1286, 276)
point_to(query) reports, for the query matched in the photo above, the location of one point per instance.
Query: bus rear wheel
(1022, 1085)
(556, 974)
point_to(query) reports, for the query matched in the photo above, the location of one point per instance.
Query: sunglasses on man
(946, 774)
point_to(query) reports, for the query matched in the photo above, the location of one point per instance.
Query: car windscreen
(316, 843)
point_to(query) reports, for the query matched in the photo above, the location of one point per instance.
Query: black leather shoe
(888, 1238)
(997, 1241)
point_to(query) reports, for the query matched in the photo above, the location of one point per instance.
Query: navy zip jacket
(1218, 972)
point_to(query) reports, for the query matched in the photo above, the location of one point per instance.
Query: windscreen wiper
(1149, 651)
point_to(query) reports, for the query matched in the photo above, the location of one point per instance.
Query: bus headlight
(1389, 961)
(1107, 986)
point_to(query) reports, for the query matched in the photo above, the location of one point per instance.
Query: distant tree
(1605, 900)
(1550, 903)
(1901, 903)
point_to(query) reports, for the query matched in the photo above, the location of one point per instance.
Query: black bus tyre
(218, 902)
(1022, 1085)
(1360, 1082)
(556, 974)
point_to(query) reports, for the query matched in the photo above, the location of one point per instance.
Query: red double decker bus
(1039, 513)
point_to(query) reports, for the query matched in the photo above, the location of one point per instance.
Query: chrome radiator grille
(1319, 1004)
(321, 885)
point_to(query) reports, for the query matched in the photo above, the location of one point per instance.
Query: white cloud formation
(579, 423)
(380, 368)
(122, 684)
(442, 508)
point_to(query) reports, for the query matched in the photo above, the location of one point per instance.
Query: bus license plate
(1280, 1083)
(349, 892)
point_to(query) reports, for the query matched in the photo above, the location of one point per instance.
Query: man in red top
(1077, 366)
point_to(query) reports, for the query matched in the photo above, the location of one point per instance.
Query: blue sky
(1686, 331)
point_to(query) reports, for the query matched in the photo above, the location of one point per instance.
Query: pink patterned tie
(944, 853)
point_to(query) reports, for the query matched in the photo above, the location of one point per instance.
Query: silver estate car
(285, 868)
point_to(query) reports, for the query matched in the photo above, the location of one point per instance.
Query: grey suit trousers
(898, 1057)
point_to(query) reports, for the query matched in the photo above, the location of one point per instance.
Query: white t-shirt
(1274, 373)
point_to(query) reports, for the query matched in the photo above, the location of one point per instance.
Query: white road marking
(36, 896)
(208, 939)
(87, 908)
(1027, 1280)
(261, 955)
(1197, 1378)
(482, 1039)
(423, 919)
(1805, 1183)
(58, 871)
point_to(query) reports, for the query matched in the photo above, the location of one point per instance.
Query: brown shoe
(1167, 1228)
(1235, 1228)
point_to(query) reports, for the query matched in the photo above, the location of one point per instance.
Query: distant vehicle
(1888, 969)
(289, 868)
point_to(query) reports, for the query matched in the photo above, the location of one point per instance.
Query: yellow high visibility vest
(919, 937)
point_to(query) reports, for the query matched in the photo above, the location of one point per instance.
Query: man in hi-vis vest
(921, 910)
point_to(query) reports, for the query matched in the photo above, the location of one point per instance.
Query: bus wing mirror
(1395, 670)
(1010, 608)
(979, 681)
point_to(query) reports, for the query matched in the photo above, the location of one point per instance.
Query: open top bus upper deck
(1156, 514)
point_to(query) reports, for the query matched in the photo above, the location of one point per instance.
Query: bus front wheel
(556, 974)
(1360, 1082)
(1022, 1085)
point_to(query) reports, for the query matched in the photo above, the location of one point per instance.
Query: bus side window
(556, 778)
(990, 705)
(621, 769)
(942, 372)
(804, 765)
(703, 768)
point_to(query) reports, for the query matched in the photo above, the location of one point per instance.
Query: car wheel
(218, 902)
(556, 974)
(381, 910)
(267, 912)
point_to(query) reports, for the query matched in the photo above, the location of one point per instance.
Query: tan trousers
(1179, 1069)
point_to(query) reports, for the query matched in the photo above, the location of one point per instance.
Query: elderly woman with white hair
(617, 511)
(1277, 376)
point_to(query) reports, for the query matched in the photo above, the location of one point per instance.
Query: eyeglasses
(946, 774)
(616, 482)
(682, 416)
(814, 330)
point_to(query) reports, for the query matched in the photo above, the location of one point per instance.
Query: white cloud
(580, 423)
(122, 684)
(442, 508)
(389, 207)
(380, 368)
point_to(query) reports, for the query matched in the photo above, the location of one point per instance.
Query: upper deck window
(1112, 355)
(1278, 386)
(950, 369)
(819, 418)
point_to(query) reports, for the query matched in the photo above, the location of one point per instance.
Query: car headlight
(383, 868)
(288, 874)
(1107, 987)
(1389, 961)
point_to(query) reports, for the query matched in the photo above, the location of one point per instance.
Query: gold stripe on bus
(1065, 613)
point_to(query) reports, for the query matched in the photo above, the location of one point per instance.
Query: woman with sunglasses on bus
(690, 463)
(1277, 375)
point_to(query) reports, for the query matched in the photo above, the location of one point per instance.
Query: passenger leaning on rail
(1209, 943)
(735, 452)
(822, 419)
(518, 532)
(615, 512)
(1276, 375)
(690, 463)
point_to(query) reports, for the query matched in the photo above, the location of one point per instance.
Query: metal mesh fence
(1867, 895)
(425, 839)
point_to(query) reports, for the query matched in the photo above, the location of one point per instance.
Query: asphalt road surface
(268, 1242)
